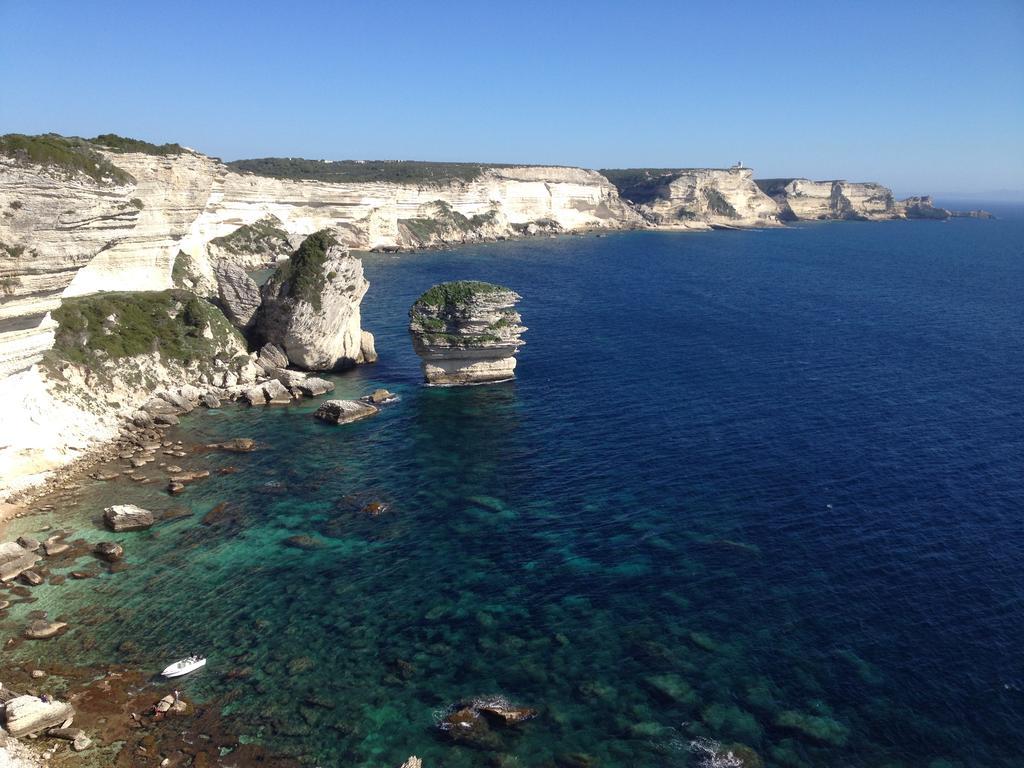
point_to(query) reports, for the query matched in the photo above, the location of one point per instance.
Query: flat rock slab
(41, 629)
(15, 559)
(344, 411)
(127, 517)
(313, 386)
(30, 714)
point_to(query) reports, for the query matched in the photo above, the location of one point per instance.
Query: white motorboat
(183, 667)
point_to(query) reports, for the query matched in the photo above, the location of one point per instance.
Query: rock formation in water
(82, 217)
(310, 306)
(697, 198)
(344, 411)
(466, 333)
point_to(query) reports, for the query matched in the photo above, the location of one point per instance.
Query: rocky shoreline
(116, 714)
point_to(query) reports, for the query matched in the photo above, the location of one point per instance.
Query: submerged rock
(466, 332)
(303, 541)
(110, 551)
(310, 307)
(127, 517)
(816, 728)
(235, 445)
(344, 411)
(474, 722)
(41, 629)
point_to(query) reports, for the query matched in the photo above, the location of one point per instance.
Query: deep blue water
(759, 487)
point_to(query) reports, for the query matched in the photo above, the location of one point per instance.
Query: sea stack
(466, 332)
(310, 307)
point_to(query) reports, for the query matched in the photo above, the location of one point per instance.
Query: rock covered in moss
(466, 332)
(310, 307)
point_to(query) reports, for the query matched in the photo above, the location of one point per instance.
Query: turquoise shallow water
(756, 487)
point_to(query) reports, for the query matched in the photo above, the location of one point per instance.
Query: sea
(751, 492)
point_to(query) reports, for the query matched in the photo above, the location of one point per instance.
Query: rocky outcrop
(466, 333)
(15, 559)
(344, 411)
(25, 715)
(238, 294)
(311, 306)
(806, 200)
(922, 208)
(697, 198)
(127, 517)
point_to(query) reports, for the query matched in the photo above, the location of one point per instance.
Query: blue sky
(924, 96)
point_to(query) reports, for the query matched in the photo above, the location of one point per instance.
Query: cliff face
(803, 199)
(51, 225)
(172, 219)
(172, 192)
(466, 333)
(500, 202)
(698, 198)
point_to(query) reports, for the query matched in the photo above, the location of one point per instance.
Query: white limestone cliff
(310, 307)
(803, 199)
(52, 224)
(699, 198)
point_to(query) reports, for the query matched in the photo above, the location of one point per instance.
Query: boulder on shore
(25, 715)
(466, 332)
(41, 629)
(15, 559)
(312, 386)
(127, 517)
(344, 411)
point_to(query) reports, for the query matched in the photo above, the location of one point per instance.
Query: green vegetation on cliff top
(71, 155)
(458, 292)
(392, 171)
(117, 143)
(116, 325)
(303, 273)
(257, 237)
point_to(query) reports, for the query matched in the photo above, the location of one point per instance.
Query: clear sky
(927, 97)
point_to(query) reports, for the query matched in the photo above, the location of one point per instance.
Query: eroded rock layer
(697, 198)
(803, 199)
(466, 333)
